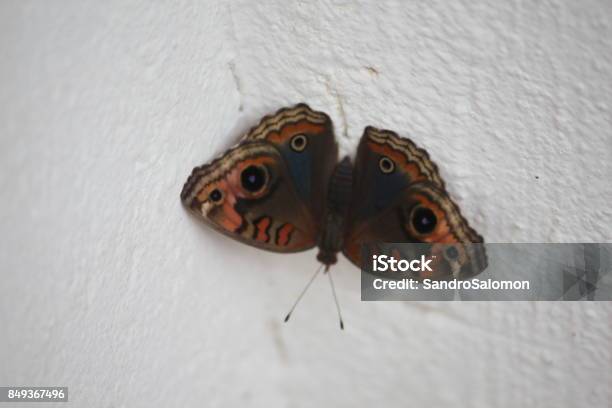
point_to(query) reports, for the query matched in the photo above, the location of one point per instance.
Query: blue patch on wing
(300, 167)
(383, 191)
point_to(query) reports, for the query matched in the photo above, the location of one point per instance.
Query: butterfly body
(331, 237)
(283, 189)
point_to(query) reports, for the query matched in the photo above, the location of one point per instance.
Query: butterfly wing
(268, 191)
(399, 196)
(305, 140)
(248, 195)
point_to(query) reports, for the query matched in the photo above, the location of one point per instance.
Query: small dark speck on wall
(372, 70)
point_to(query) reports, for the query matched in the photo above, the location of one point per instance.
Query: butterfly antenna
(303, 293)
(333, 288)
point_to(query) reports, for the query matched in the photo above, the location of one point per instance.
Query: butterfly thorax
(331, 239)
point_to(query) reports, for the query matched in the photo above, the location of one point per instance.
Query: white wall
(109, 287)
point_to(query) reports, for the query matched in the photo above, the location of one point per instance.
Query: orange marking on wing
(230, 220)
(262, 227)
(441, 234)
(449, 238)
(203, 195)
(256, 160)
(284, 233)
(400, 160)
(289, 130)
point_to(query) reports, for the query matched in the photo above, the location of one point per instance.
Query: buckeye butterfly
(283, 189)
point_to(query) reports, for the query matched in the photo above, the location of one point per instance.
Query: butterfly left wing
(399, 196)
(248, 194)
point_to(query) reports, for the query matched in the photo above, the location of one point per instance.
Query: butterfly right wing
(399, 196)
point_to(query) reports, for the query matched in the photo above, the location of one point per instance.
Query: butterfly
(283, 189)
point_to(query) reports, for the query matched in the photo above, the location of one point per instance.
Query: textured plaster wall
(108, 287)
